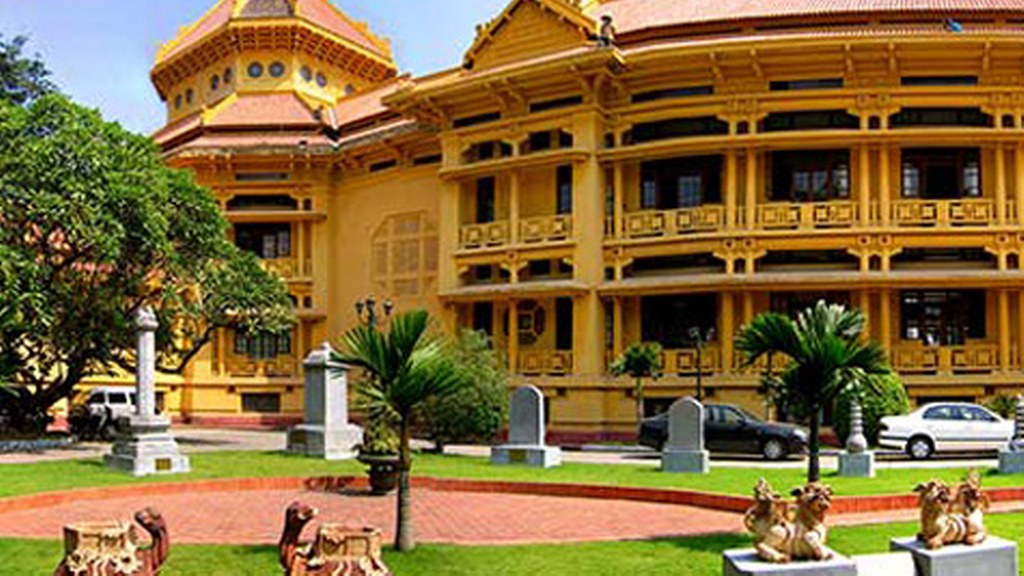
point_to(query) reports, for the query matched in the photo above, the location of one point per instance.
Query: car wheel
(773, 449)
(920, 448)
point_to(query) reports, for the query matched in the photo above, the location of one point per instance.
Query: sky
(100, 51)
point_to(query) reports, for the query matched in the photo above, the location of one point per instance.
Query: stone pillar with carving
(326, 432)
(144, 444)
(857, 461)
(1011, 458)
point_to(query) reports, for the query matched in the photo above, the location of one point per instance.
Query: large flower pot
(383, 472)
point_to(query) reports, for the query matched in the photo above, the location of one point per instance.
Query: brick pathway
(438, 517)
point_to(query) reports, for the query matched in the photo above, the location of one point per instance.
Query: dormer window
(189, 96)
(321, 80)
(177, 102)
(277, 70)
(255, 70)
(306, 74)
(229, 75)
(214, 83)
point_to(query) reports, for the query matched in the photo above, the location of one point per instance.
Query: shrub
(1005, 406)
(890, 400)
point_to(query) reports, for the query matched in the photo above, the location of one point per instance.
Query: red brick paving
(255, 517)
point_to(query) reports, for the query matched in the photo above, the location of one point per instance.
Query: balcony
(544, 362)
(280, 367)
(806, 215)
(667, 223)
(920, 359)
(545, 229)
(943, 213)
(486, 235)
(684, 361)
(288, 268)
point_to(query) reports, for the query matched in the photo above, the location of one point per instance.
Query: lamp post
(700, 338)
(367, 312)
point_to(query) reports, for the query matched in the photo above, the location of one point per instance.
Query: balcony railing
(792, 215)
(487, 235)
(545, 229)
(286, 268)
(544, 362)
(281, 367)
(655, 223)
(973, 212)
(684, 361)
(920, 359)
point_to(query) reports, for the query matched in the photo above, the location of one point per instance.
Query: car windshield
(750, 417)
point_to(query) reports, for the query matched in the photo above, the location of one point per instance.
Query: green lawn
(17, 479)
(684, 557)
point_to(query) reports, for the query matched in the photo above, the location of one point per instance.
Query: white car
(945, 427)
(119, 400)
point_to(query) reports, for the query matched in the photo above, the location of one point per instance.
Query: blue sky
(100, 51)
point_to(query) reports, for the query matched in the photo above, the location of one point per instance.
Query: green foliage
(827, 357)
(379, 438)
(1005, 406)
(95, 226)
(480, 409)
(641, 360)
(22, 79)
(888, 398)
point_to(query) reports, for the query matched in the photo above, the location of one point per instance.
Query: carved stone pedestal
(993, 557)
(860, 465)
(745, 562)
(146, 447)
(533, 456)
(686, 461)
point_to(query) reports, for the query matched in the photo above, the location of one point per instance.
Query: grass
(20, 479)
(698, 556)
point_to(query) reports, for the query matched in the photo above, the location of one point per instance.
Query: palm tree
(404, 367)
(827, 356)
(639, 361)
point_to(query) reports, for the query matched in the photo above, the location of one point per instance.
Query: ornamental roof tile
(274, 109)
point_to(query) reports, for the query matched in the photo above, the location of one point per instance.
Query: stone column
(1011, 458)
(857, 461)
(326, 432)
(145, 374)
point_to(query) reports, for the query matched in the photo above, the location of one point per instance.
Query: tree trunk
(814, 448)
(639, 394)
(404, 541)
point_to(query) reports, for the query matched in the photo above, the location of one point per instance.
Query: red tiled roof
(217, 17)
(281, 109)
(635, 15)
(365, 105)
(178, 128)
(322, 13)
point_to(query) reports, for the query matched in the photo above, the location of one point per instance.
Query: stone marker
(745, 562)
(993, 557)
(684, 452)
(1011, 458)
(144, 444)
(326, 432)
(857, 461)
(526, 433)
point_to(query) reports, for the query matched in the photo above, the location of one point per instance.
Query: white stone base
(146, 447)
(685, 461)
(891, 564)
(532, 456)
(746, 563)
(316, 442)
(1011, 462)
(993, 557)
(857, 465)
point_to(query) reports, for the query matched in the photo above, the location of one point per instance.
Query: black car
(733, 430)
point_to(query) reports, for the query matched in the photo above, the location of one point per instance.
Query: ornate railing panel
(488, 235)
(545, 229)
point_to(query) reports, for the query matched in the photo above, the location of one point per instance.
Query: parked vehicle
(731, 429)
(96, 417)
(945, 427)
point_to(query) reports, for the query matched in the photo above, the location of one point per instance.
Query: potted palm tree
(827, 357)
(405, 367)
(379, 452)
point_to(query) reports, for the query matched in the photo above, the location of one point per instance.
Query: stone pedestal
(685, 461)
(533, 456)
(326, 432)
(145, 447)
(892, 564)
(1011, 462)
(860, 465)
(993, 557)
(745, 562)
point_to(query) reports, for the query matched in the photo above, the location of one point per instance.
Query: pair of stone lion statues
(784, 532)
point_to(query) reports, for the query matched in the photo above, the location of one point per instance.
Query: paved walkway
(438, 517)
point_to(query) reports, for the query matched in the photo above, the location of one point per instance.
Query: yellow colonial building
(570, 189)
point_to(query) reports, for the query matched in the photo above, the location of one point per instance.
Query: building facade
(570, 195)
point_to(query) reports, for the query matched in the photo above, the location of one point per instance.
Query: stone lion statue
(783, 534)
(952, 517)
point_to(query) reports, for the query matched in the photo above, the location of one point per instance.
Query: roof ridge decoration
(383, 44)
(184, 31)
(265, 9)
(570, 11)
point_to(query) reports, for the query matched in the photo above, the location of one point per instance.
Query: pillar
(865, 309)
(588, 256)
(864, 185)
(145, 359)
(618, 194)
(1004, 331)
(750, 196)
(513, 207)
(1018, 172)
(618, 335)
(885, 321)
(1020, 329)
(1001, 199)
(727, 328)
(513, 337)
(884, 192)
(748, 307)
(731, 188)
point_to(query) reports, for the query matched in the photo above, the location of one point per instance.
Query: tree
(97, 227)
(404, 368)
(639, 361)
(480, 409)
(891, 399)
(827, 357)
(22, 79)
